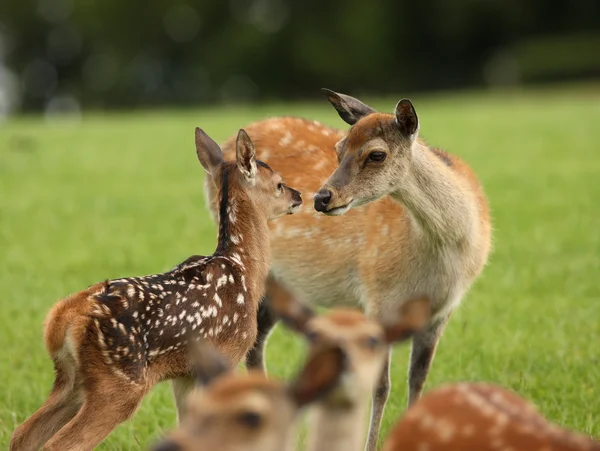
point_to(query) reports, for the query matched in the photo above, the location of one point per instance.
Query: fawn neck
(444, 210)
(337, 427)
(243, 231)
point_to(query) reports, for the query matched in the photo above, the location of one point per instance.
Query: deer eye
(372, 342)
(377, 156)
(312, 336)
(250, 419)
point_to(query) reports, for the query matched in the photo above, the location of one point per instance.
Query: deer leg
(182, 387)
(266, 320)
(380, 397)
(423, 348)
(62, 404)
(105, 407)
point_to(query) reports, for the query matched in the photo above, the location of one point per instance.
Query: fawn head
(263, 186)
(365, 341)
(373, 156)
(249, 412)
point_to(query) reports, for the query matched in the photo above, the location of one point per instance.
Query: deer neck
(336, 427)
(440, 203)
(243, 235)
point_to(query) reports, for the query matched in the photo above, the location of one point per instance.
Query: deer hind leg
(106, 405)
(380, 397)
(62, 404)
(255, 359)
(182, 387)
(423, 348)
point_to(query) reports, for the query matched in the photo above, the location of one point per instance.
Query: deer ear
(351, 110)
(208, 151)
(406, 119)
(207, 363)
(246, 155)
(414, 315)
(286, 307)
(320, 374)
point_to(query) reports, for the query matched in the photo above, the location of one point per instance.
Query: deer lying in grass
(416, 222)
(480, 416)
(338, 420)
(113, 341)
(250, 412)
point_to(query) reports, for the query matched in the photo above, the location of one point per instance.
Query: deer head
(373, 157)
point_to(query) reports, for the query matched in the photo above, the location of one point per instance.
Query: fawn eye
(312, 336)
(249, 419)
(372, 342)
(377, 156)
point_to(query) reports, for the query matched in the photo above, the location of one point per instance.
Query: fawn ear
(406, 119)
(286, 307)
(245, 155)
(208, 151)
(321, 374)
(349, 108)
(414, 315)
(207, 363)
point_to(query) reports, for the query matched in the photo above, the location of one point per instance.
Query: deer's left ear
(351, 110)
(207, 363)
(413, 316)
(246, 155)
(406, 119)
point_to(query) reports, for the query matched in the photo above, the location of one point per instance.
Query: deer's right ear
(351, 110)
(286, 307)
(207, 363)
(413, 316)
(208, 151)
(321, 374)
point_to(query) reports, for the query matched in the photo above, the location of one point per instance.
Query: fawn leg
(182, 387)
(266, 320)
(106, 406)
(380, 397)
(423, 348)
(62, 404)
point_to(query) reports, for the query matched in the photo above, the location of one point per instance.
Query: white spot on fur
(240, 298)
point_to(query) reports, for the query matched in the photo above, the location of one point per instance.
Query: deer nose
(322, 199)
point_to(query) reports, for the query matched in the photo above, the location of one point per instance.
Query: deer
(112, 342)
(250, 412)
(338, 419)
(480, 416)
(393, 219)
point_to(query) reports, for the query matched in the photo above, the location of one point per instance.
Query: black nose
(322, 199)
(166, 445)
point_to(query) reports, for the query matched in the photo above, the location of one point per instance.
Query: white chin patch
(339, 211)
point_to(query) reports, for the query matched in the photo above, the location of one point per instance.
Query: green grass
(121, 194)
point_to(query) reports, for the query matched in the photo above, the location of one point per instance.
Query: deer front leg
(380, 397)
(422, 352)
(266, 321)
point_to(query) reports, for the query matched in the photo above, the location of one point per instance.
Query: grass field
(121, 194)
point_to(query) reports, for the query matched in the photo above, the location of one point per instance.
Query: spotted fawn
(113, 341)
(394, 219)
(338, 420)
(480, 416)
(250, 412)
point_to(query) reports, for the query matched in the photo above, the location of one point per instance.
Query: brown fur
(115, 340)
(480, 416)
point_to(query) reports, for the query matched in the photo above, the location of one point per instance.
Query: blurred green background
(68, 55)
(99, 179)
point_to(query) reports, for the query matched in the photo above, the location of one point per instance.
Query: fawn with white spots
(250, 412)
(480, 416)
(115, 340)
(415, 222)
(338, 420)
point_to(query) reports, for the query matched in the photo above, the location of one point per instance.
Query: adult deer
(115, 340)
(415, 222)
(480, 416)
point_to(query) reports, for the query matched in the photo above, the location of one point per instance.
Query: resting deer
(250, 412)
(415, 222)
(113, 341)
(338, 420)
(480, 416)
